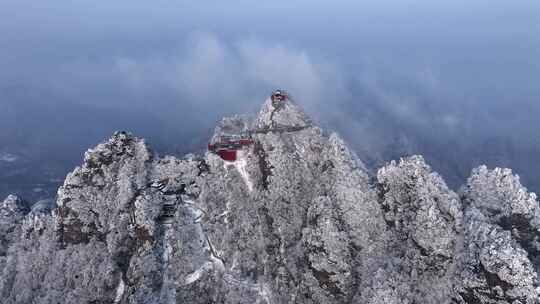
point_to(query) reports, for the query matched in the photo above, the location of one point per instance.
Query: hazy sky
(460, 71)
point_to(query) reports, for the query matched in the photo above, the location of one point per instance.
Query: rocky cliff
(295, 219)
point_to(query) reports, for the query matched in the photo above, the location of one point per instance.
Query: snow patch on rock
(241, 166)
(197, 274)
(120, 291)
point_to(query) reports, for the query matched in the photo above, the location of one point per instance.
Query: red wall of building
(228, 155)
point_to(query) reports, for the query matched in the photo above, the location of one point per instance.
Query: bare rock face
(295, 219)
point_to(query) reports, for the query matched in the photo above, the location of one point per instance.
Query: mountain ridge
(295, 219)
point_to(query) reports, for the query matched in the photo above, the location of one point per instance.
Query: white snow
(264, 291)
(226, 165)
(224, 213)
(229, 278)
(282, 244)
(197, 212)
(188, 201)
(120, 291)
(234, 264)
(196, 275)
(218, 262)
(167, 250)
(241, 166)
(193, 277)
(215, 260)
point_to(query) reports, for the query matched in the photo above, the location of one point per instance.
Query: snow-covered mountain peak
(281, 114)
(275, 212)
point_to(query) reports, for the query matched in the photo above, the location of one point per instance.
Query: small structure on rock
(227, 146)
(279, 97)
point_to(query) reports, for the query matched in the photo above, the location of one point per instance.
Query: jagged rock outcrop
(423, 219)
(295, 219)
(501, 257)
(12, 211)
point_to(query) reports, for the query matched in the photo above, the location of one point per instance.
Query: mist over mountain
(399, 165)
(454, 81)
(45, 134)
(277, 211)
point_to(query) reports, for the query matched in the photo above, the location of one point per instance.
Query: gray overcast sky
(466, 46)
(460, 72)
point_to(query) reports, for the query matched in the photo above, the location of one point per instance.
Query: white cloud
(211, 72)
